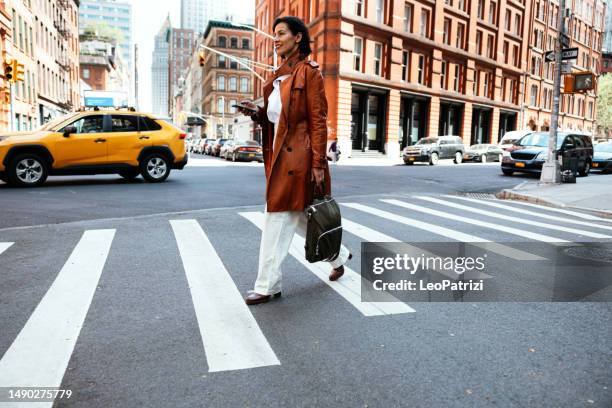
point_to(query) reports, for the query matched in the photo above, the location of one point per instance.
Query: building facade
(225, 82)
(159, 70)
(6, 34)
(195, 14)
(180, 49)
(396, 71)
(101, 66)
(117, 14)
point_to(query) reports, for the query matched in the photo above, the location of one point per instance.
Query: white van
(511, 137)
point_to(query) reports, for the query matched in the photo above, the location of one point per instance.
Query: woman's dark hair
(296, 25)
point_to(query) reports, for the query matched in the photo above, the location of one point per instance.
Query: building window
(405, 66)
(232, 109)
(234, 42)
(221, 83)
(486, 84)
(221, 42)
(421, 70)
(508, 20)
(357, 53)
(244, 85)
(447, 29)
(480, 10)
(490, 47)
(460, 36)
(424, 27)
(457, 80)
(233, 64)
(461, 5)
(380, 11)
(443, 74)
(478, 42)
(233, 84)
(220, 105)
(245, 43)
(85, 73)
(517, 24)
(534, 95)
(492, 12)
(221, 61)
(515, 55)
(377, 59)
(358, 7)
(506, 50)
(408, 17)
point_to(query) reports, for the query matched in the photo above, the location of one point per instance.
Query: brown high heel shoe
(337, 273)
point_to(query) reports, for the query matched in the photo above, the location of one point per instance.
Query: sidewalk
(592, 194)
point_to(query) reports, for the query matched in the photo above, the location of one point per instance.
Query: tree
(604, 102)
(101, 31)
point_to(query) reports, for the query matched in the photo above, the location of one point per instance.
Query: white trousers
(278, 231)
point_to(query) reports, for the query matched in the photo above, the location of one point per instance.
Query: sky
(148, 17)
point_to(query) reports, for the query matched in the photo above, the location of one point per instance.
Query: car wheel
(129, 174)
(483, 158)
(458, 158)
(155, 168)
(586, 169)
(27, 170)
(507, 172)
(408, 162)
(433, 159)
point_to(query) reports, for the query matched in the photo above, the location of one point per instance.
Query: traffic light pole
(551, 170)
(11, 85)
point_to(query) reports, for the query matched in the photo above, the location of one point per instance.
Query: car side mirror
(68, 130)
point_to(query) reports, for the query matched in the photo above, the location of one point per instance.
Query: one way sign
(549, 56)
(566, 54)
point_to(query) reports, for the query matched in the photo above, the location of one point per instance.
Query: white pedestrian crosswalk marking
(565, 220)
(231, 336)
(349, 286)
(499, 249)
(575, 214)
(39, 355)
(511, 218)
(455, 217)
(4, 246)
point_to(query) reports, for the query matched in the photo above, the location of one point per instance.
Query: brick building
(225, 82)
(396, 71)
(5, 52)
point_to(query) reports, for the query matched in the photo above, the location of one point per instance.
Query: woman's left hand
(318, 176)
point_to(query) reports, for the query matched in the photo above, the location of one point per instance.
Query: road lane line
(40, 353)
(231, 336)
(371, 235)
(349, 287)
(496, 204)
(500, 249)
(4, 246)
(511, 218)
(455, 217)
(561, 211)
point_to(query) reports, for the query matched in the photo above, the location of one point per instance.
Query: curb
(513, 195)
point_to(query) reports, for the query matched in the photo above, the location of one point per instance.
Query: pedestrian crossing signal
(201, 55)
(579, 82)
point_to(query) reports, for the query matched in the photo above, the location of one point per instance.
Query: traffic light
(579, 82)
(18, 71)
(8, 70)
(201, 55)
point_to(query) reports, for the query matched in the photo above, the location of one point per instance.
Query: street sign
(565, 40)
(549, 56)
(566, 67)
(569, 53)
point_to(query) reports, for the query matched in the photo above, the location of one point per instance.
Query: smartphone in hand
(245, 107)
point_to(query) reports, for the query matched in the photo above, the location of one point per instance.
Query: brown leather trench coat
(301, 134)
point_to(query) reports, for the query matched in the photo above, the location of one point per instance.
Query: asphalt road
(141, 330)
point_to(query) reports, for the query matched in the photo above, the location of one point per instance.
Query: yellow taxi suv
(93, 142)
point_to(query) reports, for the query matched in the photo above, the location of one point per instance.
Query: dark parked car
(483, 153)
(530, 152)
(247, 150)
(602, 157)
(431, 149)
(214, 149)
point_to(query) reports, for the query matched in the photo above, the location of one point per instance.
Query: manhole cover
(591, 253)
(480, 196)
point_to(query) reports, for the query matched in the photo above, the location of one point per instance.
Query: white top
(275, 105)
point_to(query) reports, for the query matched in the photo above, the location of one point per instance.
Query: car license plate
(519, 164)
(411, 158)
(251, 154)
(595, 164)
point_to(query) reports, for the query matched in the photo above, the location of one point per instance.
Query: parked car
(247, 150)
(431, 149)
(110, 141)
(511, 137)
(224, 148)
(530, 152)
(483, 153)
(206, 145)
(602, 157)
(216, 148)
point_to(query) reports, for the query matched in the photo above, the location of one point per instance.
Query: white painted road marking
(4, 246)
(231, 336)
(511, 218)
(349, 286)
(562, 211)
(565, 220)
(455, 217)
(40, 354)
(500, 249)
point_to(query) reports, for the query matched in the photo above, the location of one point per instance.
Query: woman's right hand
(250, 104)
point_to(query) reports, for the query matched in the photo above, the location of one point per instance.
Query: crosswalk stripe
(4, 246)
(511, 218)
(565, 220)
(455, 217)
(39, 355)
(231, 336)
(371, 235)
(349, 286)
(562, 211)
(500, 249)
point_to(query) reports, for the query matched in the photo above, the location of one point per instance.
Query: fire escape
(63, 58)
